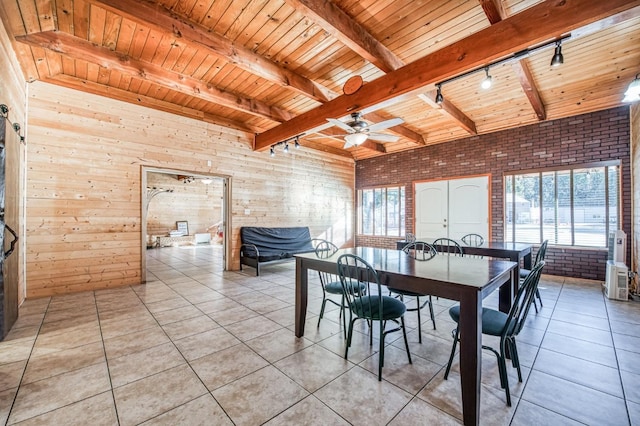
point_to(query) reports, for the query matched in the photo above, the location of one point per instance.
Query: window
(575, 207)
(381, 211)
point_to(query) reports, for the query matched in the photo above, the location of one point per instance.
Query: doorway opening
(187, 210)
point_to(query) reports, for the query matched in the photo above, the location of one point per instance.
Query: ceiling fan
(359, 130)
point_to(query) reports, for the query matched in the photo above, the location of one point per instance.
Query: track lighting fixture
(517, 56)
(486, 83)
(296, 144)
(557, 59)
(633, 91)
(439, 97)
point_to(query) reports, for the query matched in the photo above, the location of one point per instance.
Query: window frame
(605, 165)
(384, 213)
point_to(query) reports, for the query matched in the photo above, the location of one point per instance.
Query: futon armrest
(249, 250)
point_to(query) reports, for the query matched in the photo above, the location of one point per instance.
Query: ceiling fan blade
(383, 137)
(385, 124)
(340, 124)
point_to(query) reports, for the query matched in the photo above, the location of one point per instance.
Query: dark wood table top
(454, 271)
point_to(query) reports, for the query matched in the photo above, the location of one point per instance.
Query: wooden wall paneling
(98, 146)
(13, 94)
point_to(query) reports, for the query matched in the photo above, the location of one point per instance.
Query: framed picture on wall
(183, 227)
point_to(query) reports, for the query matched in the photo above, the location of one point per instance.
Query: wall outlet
(209, 163)
(247, 212)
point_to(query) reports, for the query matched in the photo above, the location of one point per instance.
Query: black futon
(270, 245)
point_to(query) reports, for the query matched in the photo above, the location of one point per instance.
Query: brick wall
(588, 138)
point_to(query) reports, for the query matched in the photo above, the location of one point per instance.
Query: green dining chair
(505, 326)
(420, 251)
(525, 272)
(371, 306)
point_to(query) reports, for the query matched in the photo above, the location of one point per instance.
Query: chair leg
(324, 302)
(515, 359)
(433, 318)
(419, 320)
(344, 314)
(538, 297)
(406, 342)
(502, 366)
(349, 336)
(453, 352)
(381, 350)
(535, 305)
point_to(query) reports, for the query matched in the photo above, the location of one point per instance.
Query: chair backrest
(473, 240)
(541, 251)
(355, 273)
(448, 246)
(420, 250)
(325, 248)
(522, 301)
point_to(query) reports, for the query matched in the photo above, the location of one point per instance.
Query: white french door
(452, 208)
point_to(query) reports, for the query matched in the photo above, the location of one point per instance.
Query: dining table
(514, 251)
(464, 279)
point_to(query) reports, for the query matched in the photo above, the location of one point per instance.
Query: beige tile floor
(196, 345)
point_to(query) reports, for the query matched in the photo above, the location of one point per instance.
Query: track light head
(439, 97)
(486, 83)
(272, 152)
(297, 142)
(286, 147)
(557, 59)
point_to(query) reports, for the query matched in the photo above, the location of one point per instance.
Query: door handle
(13, 243)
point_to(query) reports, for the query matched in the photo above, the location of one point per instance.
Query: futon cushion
(275, 243)
(492, 321)
(367, 307)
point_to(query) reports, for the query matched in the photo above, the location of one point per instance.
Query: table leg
(470, 356)
(301, 297)
(508, 292)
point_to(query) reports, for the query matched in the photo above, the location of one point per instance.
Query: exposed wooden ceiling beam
(399, 130)
(532, 26)
(156, 17)
(147, 101)
(78, 48)
(492, 10)
(357, 38)
(521, 68)
(340, 25)
(448, 109)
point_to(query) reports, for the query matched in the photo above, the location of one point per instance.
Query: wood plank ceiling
(276, 68)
